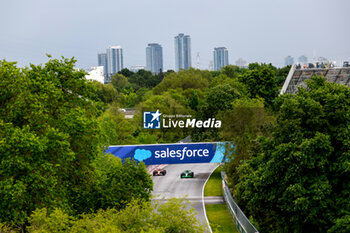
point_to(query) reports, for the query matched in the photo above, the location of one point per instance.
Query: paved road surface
(191, 188)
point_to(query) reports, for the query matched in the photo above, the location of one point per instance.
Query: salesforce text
(181, 153)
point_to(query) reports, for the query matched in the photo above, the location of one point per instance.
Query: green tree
(223, 91)
(300, 181)
(119, 81)
(52, 136)
(242, 125)
(232, 71)
(131, 100)
(48, 137)
(145, 138)
(141, 93)
(105, 92)
(194, 101)
(185, 79)
(219, 98)
(128, 99)
(115, 128)
(138, 216)
(116, 184)
(126, 72)
(260, 81)
(233, 82)
(144, 78)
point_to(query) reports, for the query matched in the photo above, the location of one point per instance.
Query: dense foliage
(138, 216)
(49, 136)
(51, 145)
(247, 120)
(299, 181)
(261, 82)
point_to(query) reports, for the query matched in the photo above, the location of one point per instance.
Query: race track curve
(171, 185)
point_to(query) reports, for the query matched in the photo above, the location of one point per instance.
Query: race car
(187, 174)
(159, 172)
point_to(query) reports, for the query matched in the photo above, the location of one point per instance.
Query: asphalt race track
(171, 185)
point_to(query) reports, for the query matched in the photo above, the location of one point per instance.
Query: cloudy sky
(256, 30)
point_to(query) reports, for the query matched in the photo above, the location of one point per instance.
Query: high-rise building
(220, 57)
(102, 61)
(154, 58)
(114, 60)
(288, 61)
(302, 59)
(182, 52)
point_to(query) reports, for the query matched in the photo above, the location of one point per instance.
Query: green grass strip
(218, 215)
(214, 184)
(220, 219)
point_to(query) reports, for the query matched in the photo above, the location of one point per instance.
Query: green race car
(187, 174)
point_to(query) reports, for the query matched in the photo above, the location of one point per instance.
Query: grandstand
(299, 73)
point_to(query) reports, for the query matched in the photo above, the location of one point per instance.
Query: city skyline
(154, 59)
(256, 31)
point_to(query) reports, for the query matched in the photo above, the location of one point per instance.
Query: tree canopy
(49, 135)
(50, 139)
(300, 179)
(185, 79)
(138, 216)
(260, 81)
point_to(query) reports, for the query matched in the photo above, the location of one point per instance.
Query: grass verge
(214, 184)
(220, 219)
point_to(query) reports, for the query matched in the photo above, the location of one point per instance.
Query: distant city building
(182, 52)
(220, 58)
(102, 61)
(241, 63)
(137, 68)
(154, 58)
(288, 61)
(114, 60)
(323, 59)
(96, 73)
(211, 66)
(198, 60)
(302, 59)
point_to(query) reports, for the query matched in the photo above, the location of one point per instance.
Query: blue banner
(211, 152)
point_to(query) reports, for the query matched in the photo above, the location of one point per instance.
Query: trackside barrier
(288, 79)
(241, 221)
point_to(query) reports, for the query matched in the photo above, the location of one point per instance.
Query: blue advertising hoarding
(211, 152)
